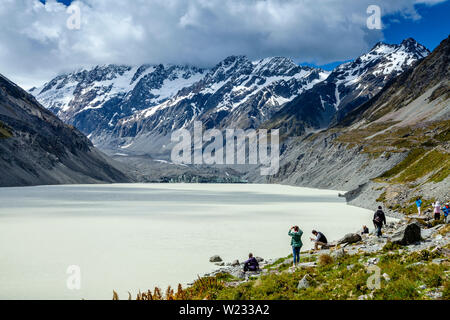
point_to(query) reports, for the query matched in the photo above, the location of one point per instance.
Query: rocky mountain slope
(38, 148)
(94, 100)
(389, 150)
(135, 109)
(348, 86)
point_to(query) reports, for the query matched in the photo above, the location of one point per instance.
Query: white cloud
(35, 43)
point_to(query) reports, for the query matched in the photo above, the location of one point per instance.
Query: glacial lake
(130, 237)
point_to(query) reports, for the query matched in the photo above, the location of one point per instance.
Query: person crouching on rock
(378, 219)
(296, 242)
(251, 264)
(319, 240)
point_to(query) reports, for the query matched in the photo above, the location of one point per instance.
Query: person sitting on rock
(378, 219)
(251, 264)
(365, 230)
(319, 240)
(437, 210)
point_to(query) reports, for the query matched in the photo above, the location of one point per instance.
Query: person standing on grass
(378, 219)
(296, 242)
(437, 210)
(419, 205)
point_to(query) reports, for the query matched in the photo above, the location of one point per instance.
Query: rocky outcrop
(304, 283)
(350, 238)
(409, 234)
(215, 258)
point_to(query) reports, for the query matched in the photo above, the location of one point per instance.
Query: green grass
(430, 162)
(5, 132)
(335, 281)
(410, 158)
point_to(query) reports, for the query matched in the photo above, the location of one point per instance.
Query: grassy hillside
(404, 275)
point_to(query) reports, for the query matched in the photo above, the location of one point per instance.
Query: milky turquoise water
(136, 236)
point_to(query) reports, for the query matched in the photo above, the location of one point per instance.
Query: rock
(304, 283)
(288, 262)
(220, 264)
(438, 261)
(306, 265)
(259, 259)
(350, 238)
(240, 274)
(408, 234)
(338, 254)
(373, 261)
(235, 263)
(437, 250)
(215, 258)
(386, 277)
(350, 267)
(423, 287)
(420, 263)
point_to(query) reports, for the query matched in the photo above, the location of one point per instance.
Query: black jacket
(381, 217)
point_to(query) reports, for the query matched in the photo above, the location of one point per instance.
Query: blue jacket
(446, 210)
(418, 203)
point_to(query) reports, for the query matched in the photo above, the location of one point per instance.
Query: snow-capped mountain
(117, 104)
(237, 93)
(348, 86)
(94, 99)
(136, 109)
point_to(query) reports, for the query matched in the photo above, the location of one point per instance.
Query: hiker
(419, 204)
(378, 219)
(437, 210)
(446, 210)
(365, 230)
(319, 240)
(251, 264)
(296, 242)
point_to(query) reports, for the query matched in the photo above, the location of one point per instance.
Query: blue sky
(429, 30)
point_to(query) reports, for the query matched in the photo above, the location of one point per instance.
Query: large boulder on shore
(350, 238)
(215, 258)
(408, 234)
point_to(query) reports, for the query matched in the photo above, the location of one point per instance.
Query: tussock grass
(5, 131)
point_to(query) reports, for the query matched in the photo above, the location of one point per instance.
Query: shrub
(325, 259)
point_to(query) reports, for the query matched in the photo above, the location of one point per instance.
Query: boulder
(409, 234)
(259, 259)
(338, 254)
(350, 238)
(220, 264)
(240, 274)
(235, 263)
(215, 258)
(304, 283)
